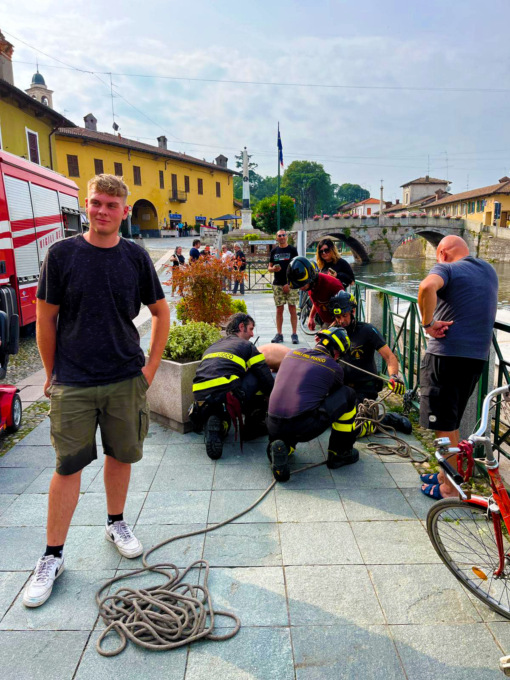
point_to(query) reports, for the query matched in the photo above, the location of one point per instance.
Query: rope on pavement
(170, 615)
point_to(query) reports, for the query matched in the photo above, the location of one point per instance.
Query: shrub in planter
(346, 217)
(413, 215)
(437, 216)
(188, 342)
(326, 217)
(458, 217)
(336, 216)
(237, 305)
(316, 218)
(355, 217)
(423, 214)
(392, 216)
(201, 283)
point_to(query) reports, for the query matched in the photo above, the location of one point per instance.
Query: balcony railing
(178, 196)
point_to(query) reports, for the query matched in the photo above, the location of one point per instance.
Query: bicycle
(305, 307)
(471, 533)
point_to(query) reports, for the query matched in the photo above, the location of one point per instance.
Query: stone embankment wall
(415, 249)
(490, 243)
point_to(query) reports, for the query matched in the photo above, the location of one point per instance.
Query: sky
(373, 90)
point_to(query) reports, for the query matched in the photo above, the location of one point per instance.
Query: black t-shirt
(343, 270)
(365, 341)
(282, 256)
(180, 260)
(100, 291)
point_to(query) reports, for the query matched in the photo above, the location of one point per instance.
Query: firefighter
(308, 397)
(232, 379)
(365, 341)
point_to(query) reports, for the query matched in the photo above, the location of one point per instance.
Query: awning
(227, 217)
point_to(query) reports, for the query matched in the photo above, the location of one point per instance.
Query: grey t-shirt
(469, 298)
(99, 291)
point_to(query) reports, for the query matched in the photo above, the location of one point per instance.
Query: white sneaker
(126, 542)
(38, 590)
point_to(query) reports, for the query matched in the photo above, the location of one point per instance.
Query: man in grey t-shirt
(458, 303)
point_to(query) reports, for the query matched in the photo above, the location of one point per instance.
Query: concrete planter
(171, 394)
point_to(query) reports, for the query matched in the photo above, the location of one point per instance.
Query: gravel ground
(25, 362)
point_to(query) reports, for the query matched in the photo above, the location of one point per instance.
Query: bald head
(451, 249)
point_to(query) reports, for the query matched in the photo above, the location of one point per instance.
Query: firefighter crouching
(365, 341)
(308, 397)
(232, 379)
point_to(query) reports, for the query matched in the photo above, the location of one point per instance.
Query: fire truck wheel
(16, 413)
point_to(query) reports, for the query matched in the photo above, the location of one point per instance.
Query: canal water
(404, 276)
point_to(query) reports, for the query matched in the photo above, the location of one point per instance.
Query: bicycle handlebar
(485, 411)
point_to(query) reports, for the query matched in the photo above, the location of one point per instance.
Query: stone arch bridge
(375, 239)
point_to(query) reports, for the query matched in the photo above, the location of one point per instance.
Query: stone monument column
(246, 210)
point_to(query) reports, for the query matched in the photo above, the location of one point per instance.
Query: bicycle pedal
(504, 665)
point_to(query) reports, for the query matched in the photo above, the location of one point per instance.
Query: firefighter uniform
(308, 397)
(231, 365)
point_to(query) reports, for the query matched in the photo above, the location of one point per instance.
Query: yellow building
(27, 125)
(488, 205)
(166, 187)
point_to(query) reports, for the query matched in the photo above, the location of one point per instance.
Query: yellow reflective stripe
(255, 360)
(226, 355)
(347, 427)
(346, 416)
(216, 382)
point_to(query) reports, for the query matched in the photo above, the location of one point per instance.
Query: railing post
(474, 405)
(374, 314)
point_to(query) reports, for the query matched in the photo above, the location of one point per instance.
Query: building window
(98, 166)
(118, 169)
(200, 186)
(33, 146)
(73, 169)
(186, 183)
(161, 179)
(174, 186)
(218, 190)
(137, 175)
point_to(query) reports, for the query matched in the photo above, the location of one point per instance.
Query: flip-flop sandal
(432, 491)
(430, 478)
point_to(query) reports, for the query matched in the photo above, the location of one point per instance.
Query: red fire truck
(37, 208)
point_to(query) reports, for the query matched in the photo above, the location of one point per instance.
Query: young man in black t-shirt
(90, 291)
(194, 252)
(279, 259)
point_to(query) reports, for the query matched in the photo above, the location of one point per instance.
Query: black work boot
(213, 437)
(338, 460)
(398, 422)
(280, 461)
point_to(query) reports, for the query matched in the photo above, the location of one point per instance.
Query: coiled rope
(172, 614)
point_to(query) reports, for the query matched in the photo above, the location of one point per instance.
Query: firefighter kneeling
(308, 397)
(232, 379)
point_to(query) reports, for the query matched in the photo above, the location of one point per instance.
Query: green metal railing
(402, 330)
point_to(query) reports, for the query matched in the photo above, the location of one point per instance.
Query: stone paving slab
(456, 652)
(51, 655)
(345, 653)
(226, 503)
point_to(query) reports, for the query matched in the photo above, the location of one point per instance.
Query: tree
(310, 185)
(351, 192)
(265, 217)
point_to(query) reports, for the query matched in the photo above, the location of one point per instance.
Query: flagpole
(278, 184)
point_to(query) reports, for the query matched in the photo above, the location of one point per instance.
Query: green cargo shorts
(121, 411)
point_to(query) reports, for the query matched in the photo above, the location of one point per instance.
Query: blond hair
(108, 184)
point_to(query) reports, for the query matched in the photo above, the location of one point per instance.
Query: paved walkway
(332, 575)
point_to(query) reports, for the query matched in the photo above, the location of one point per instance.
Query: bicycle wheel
(463, 537)
(305, 307)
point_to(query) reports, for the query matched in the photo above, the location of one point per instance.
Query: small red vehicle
(10, 402)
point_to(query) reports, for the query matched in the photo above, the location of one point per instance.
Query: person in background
(283, 294)
(458, 302)
(185, 229)
(194, 252)
(179, 229)
(239, 268)
(227, 257)
(177, 261)
(330, 262)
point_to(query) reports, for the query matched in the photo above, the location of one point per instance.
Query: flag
(280, 147)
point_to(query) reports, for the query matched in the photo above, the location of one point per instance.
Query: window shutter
(73, 169)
